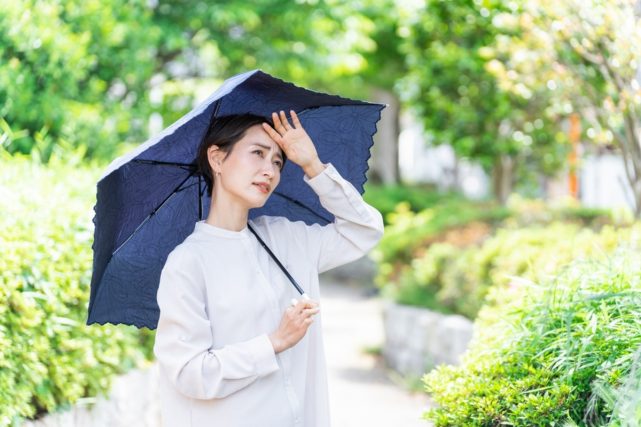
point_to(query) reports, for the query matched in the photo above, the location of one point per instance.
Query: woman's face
(250, 172)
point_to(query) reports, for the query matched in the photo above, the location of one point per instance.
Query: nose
(269, 168)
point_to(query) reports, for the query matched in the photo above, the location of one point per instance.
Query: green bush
(625, 399)
(526, 212)
(550, 352)
(385, 198)
(409, 231)
(446, 258)
(48, 357)
(459, 278)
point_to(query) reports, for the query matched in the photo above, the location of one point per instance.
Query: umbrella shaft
(289, 276)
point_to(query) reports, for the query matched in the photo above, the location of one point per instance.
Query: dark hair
(225, 132)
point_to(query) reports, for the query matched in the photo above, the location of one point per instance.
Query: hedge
(446, 259)
(48, 357)
(409, 232)
(550, 353)
(450, 279)
(386, 198)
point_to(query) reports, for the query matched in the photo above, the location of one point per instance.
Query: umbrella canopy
(148, 200)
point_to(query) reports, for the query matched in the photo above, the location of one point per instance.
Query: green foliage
(91, 73)
(408, 231)
(459, 278)
(74, 72)
(384, 59)
(625, 399)
(446, 258)
(585, 63)
(459, 101)
(311, 42)
(543, 352)
(48, 357)
(386, 198)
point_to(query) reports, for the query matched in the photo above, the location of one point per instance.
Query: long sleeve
(357, 227)
(184, 338)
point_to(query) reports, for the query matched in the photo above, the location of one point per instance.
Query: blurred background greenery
(523, 88)
(496, 80)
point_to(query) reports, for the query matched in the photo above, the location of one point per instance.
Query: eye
(259, 152)
(279, 164)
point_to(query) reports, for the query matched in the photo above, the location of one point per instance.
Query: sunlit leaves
(556, 350)
(583, 52)
(59, 57)
(66, 53)
(49, 358)
(450, 48)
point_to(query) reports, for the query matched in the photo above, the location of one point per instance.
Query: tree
(385, 65)
(345, 47)
(448, 47)
(73, 72)
(90, 73)
(580, 56)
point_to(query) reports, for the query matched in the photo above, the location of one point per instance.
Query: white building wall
(603, 182)
(421, 163)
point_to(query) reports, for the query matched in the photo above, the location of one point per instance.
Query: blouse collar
(211, 230)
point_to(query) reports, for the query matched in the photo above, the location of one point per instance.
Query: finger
(283, 119)
(275, 136)
(295, 120)
(308, 320)
(278, 125)
(303, 304)
(311, 311)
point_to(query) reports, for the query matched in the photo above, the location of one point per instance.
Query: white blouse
(221, 295)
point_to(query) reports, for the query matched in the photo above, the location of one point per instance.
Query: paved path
(361, 391)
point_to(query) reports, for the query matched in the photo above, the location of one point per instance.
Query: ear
(215, 157)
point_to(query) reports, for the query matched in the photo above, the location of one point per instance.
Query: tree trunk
(636, 189)
(630, 146)
(633, 174)
(502, 178)
(384, 168)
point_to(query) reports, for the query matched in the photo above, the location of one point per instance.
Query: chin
(259, 203)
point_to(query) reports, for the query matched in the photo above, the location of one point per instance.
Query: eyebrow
(267, 147)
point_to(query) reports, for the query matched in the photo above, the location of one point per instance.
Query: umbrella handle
(295, 301)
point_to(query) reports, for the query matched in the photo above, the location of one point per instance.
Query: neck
(227, 215)
(224, 217)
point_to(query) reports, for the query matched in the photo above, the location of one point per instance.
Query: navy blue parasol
(149, 200)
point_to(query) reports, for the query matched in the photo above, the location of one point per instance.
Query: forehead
(257, 135)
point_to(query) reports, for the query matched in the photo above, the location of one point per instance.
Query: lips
(263, 187)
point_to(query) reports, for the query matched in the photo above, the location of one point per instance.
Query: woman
(232, 348)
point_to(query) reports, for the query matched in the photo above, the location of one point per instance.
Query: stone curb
(418, 339)
(132, 401)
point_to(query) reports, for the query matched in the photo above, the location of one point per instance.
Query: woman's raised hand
(294, 325)
(295, 142)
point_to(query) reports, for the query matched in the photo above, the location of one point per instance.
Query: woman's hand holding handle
(294, 324)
